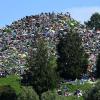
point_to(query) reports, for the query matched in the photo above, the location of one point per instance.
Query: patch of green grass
(13, 81)
(69, 98)
(52, 95)
(72, 88)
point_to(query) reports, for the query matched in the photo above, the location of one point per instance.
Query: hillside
(15, 39)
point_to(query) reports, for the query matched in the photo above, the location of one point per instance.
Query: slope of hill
(15, 39)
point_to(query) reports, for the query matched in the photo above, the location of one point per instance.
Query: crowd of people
(15, 39)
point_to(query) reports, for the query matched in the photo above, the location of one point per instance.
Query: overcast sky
(81, 10)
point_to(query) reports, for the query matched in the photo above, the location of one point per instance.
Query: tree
(39, 63)
(72, 60)
(7, 93)
(98, 67)
(94, 21)
(27, 93)
(94, 93)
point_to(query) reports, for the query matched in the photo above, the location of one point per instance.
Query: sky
(12, 10)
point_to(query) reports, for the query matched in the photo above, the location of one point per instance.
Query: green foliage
(72, 60)
(39, 61)
(13, 81)
(27, 93)
(7, 30)
(94, 21)
(98, 67)
(48, 96)
(73, 87)
(52, 95)
(7, 93)
(94, 93)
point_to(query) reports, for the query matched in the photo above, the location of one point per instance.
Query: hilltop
(15, 39)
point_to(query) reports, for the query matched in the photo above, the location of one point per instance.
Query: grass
(72, 88)
(13, 81)
(69, 98)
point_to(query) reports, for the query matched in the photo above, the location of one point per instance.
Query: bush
(7, 93)
(48, 96)
(28, 93)
(94, 93)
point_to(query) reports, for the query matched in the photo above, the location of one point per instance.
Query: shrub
(94, 93)
(28, 93)
(48, 96)
(7, 93)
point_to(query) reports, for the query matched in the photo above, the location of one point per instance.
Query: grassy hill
(13, 81)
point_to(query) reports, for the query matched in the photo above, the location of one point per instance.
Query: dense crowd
(15, 39)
